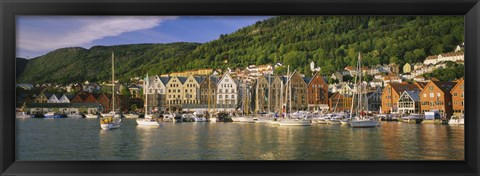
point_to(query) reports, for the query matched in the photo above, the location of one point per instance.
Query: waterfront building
(53, 99)
(374, 100)
(409, 102)
(261, 94)
(436, 96)
(191, 90)
(458, 97)
(63, 108)
(339, 102)
(227, 91)
(275, 83)
(297, 92)
(65, 98)
(317, 93)
(42, 97)
(208, 91)
(174, 95)
(156, 90)
(391, 93)
(121, 102)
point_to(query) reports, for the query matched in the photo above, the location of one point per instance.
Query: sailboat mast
(287, 90)
(268, 99)
(360, 93)
(113, 84)
(146, 94)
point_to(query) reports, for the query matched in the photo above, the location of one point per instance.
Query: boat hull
(294, 123)
(364, 124)
(148, 122)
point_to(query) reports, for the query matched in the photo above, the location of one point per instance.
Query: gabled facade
(317, 92)
(227, 91)
(261, 94)
(208, 91)
(121, 102)
(374, 100)
(64, 99)
(42, 98)
(174, 95)
(53, 99)
(436, 96)
(409, 102)
(155, 91)
(297, 91)
(391, 93)
(191, 89)
(276, 92)
(458, 97)
(339, 103)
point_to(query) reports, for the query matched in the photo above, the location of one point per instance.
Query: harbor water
(82, 139)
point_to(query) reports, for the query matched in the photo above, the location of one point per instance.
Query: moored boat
(413, 118)
(457, 120)
(23, 115)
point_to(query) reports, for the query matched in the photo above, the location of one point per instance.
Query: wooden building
(317, 92)
(391, 93)
(436, 96)
(458, 97)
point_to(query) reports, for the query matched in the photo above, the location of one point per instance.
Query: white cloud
(79, 31)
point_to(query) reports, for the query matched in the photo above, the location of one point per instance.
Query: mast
(146, 95)
(268, 99)
(353, 97)
(113, 84)
(360, 93)
(288, 91)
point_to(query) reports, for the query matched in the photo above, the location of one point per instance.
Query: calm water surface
(82, 139)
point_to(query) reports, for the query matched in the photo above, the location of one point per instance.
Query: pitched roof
(446, 87)
(415, 95)
(182, 79)
(400, 87)
(164, 80)
(307, 80)
(199, 79)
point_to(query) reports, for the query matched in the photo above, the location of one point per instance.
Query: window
(455, 94)
(432, 95)
(430, 87)
(438, 94)
(424, 95)
(461, 94)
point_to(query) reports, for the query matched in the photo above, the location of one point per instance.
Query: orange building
(338, 102)
(391, 93)
(458, 97)
(317, 92)
(436, 96)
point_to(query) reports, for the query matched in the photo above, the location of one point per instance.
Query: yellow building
(407, 68)
(191, 90)
(175, 92)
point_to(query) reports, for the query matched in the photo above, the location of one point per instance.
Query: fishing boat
(361, 120)
(457, 120)
(148, 120)
(111, 120)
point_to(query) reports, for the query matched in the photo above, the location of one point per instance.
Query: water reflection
(44, 140)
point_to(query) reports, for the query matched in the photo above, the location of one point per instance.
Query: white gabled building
(64, 99)
(227, 91)
(53, 99)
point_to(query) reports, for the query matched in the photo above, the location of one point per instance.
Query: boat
(53, 115)
(199, 117)
(345, 122)
(91, 116)
(23, 115)
(294, 122)
(132, 115)
(361, 120)
(75, 116)
(413, 118)
(457, 120)
(111, 120)
(168, 117)
(111, 113)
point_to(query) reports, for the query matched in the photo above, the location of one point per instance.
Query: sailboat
(148, 120)
(111, 120)
(360, 120)
(288, 121)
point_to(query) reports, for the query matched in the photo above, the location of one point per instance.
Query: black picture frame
(10, 8)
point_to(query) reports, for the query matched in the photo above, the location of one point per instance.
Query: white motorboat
(168, 118)
(91, 116)
(212, 120)
(457, 120)
(75, 116)
(364, 123)
(108, 123)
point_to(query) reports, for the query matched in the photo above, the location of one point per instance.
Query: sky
(38, 35)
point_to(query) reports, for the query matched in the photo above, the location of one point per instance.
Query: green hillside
(332, 42)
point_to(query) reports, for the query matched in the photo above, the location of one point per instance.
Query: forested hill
(331, 42)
